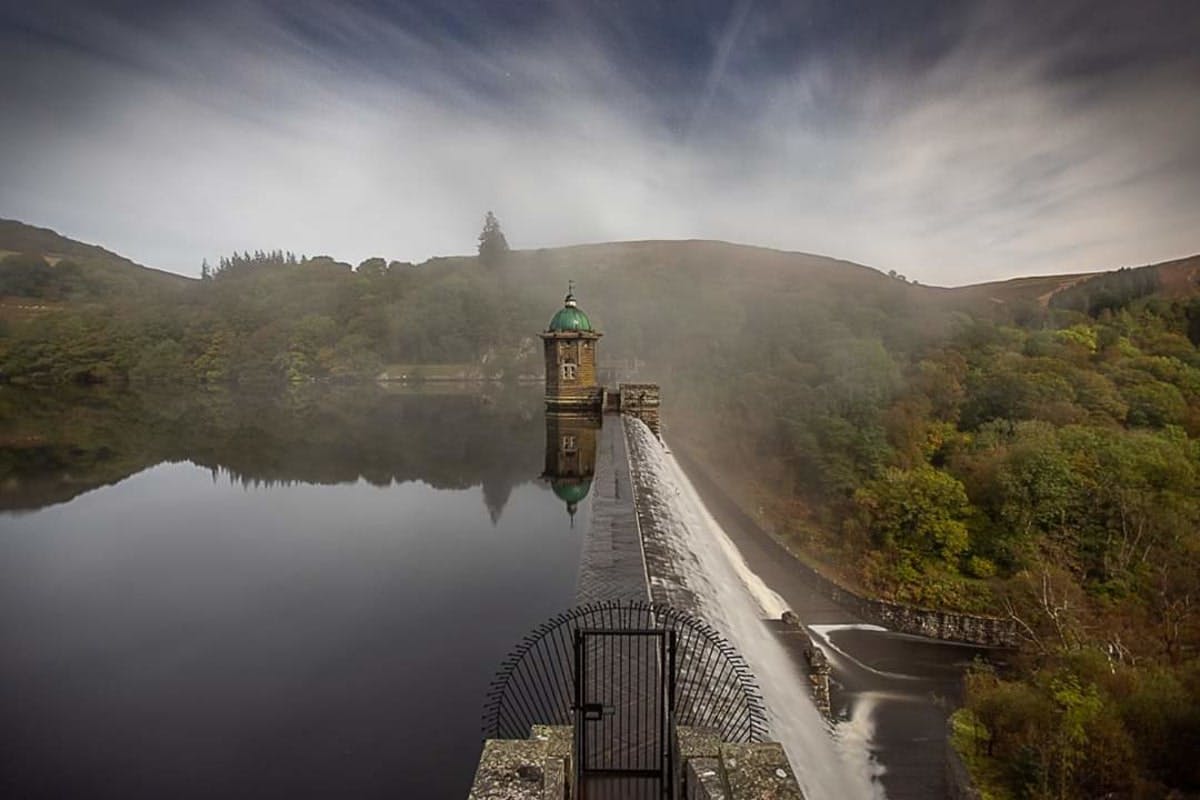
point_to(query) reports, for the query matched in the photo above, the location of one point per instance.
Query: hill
(1028, 448)
(43, 268)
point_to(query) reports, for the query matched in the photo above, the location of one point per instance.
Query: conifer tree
(492, 244)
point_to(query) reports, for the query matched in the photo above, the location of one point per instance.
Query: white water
(735, 600)
(835, 653)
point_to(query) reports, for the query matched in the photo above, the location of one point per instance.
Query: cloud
(965, 151)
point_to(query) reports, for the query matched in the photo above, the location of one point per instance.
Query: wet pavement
(611, 565)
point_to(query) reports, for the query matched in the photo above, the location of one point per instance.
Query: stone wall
(577, 348)
(641, 400)
(706, 768)
(537, 768)
(945, 625)
(816, 662)
(710, 769)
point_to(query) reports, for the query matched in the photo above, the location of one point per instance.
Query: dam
(833, 724)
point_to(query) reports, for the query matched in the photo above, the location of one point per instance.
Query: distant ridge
(744, 266)
(20, 237)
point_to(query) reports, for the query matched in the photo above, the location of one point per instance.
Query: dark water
(301, 595)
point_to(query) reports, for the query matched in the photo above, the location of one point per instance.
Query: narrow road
(893, 690)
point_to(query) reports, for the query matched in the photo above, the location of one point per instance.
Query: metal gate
(624, 711)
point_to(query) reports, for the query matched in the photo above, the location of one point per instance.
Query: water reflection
(54, 447)
(266, 595)
(571, 456)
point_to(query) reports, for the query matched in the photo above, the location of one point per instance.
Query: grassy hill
(40, 269)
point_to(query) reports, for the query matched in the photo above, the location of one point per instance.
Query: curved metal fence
(711, 685)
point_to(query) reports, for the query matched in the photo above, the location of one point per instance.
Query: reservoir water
(248, 595)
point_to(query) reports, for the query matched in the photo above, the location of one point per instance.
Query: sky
(952, 142)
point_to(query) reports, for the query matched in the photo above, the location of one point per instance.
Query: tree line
(1035, 462)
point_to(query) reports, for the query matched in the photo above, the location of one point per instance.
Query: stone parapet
(537, 768)
(714, 770)
(641, 400)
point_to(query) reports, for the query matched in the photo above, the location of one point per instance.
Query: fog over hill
(743, 264)
(952, 142)
(976, 449)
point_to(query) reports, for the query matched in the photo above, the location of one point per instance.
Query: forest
(973, 450)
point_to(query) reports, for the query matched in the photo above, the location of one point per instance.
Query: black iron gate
(623, 674)
(624, 710)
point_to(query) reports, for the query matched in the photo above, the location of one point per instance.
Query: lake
(297, 594)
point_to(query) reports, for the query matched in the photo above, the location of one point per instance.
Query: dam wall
(612, 565)
(949, 626)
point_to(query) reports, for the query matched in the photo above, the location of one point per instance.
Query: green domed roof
(572, 492)
(570, 317)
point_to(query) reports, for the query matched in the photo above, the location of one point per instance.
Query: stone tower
(571, 455)
(570, 345)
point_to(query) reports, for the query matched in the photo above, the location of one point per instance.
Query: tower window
(568, 444)
(569, 372)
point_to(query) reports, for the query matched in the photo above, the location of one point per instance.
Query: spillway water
(829, 763)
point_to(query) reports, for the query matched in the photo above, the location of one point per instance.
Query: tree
(919, 512)
(372, 267)
(492, 244)
(205, 270)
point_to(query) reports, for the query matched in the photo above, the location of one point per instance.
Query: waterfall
(829, 763)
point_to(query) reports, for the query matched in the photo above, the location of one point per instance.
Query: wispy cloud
(970, 150)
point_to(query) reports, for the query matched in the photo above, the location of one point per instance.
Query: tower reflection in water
(571, 455)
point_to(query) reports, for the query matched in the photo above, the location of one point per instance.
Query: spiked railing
(713, 686)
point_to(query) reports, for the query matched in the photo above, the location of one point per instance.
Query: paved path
(611, 565)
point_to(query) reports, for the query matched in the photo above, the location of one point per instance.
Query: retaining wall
(945, 625)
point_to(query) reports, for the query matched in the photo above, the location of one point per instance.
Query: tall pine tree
(492, 244)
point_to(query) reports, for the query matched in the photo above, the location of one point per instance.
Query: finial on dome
(569, 300)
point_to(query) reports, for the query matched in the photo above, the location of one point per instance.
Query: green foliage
(919, 513)
(1080, 729)
(1017, 460)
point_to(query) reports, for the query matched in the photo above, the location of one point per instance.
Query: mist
(979, 145)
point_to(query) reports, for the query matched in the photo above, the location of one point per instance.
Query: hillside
(42, 266)
(724, 267)
(1028, 448)
(1175, 279)
(270, 317)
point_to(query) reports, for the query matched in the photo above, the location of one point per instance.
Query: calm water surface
(302, 595)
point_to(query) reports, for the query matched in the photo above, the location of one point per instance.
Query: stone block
(759, 771)
(697, 742)
(703, 780)
(560, 742)
(510, 769)
(554, 781)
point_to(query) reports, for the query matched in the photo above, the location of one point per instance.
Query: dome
(570, 317)
(572, 492)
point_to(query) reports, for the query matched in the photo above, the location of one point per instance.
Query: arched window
(569, 372)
